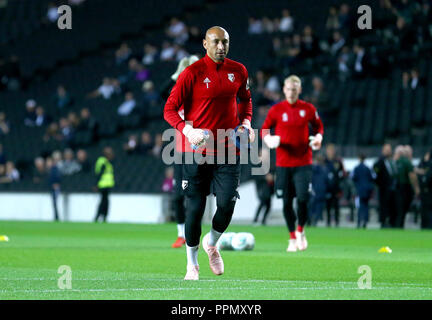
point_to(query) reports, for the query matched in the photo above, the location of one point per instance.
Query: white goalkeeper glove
(196, 137)
(315, 141)
(246, 124)
(272, 141)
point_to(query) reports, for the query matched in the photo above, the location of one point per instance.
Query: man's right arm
(272, 141)
(179, 94)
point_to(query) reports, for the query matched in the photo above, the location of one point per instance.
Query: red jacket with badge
(291, 123)
(208, 92)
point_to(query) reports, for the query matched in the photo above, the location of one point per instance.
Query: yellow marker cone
(4, 238)
(385, 250)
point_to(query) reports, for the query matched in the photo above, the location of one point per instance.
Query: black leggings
(103, 205)
(195, 205)
(294, 182)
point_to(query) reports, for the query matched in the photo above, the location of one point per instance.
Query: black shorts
(214, 179)
(294, 182)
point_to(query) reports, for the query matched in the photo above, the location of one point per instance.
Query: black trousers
(426, 210)
(102, 212)
(266, 205)
(404, 197)
(294, 182)
(387, 207)
(332, 203)
(199, 180)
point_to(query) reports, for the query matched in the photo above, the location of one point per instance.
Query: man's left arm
(317, 128)
(245, 105)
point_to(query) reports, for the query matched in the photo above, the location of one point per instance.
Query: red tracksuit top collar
(292, 105)
(211, 64)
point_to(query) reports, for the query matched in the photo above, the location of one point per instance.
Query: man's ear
(205, 44)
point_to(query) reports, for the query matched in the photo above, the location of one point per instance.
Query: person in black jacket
(385, 170)
(363, 179)
(424, 172)
(265, 189)
(54, 180)
(336, 174)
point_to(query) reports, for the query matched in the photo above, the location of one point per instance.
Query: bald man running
(208, 90)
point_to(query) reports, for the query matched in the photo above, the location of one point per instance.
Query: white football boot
(302, 243)
(292, 245)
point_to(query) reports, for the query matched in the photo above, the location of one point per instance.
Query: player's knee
(226, 202)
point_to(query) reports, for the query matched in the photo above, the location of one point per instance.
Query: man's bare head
(216, 43)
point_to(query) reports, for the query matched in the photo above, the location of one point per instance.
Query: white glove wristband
(187, 128)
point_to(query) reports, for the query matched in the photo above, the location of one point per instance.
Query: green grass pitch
(135, 261)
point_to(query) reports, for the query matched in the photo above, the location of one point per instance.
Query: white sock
(214, 237)
(192, 255)
(180, 230)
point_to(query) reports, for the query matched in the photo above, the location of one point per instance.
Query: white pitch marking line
(311, 282)
(184, 289)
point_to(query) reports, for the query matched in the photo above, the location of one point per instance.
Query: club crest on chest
(231, 77)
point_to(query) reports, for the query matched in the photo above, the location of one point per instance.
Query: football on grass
(243, 241)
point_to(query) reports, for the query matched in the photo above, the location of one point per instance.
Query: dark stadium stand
(367, 111)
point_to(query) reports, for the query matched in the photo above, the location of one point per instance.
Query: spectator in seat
(11, 174)
(131, 146)
(39, 171)
(42, 119)
(177, 31)
(310, 47)
(416, 80)
(108, 88)
(332, 22)
(168, 183)
(151, 98)
(69, 165)
(4, 125)
(168, 51)
(150, 53)
(337, 43)
(52, 133)
(83, 161)
(66, 131)
(89, 124)
(52, 13)
(62, 99)
(255, 26)
(123, 53)
(73, 120)
(128, 105)
(146, 143)
(286, 23)
(30, 115)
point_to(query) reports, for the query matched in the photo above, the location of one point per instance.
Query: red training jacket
(208, 91)
(291, 123)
